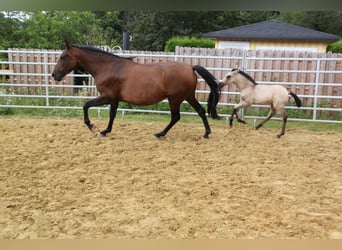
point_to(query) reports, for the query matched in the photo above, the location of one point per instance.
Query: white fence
(25, 81)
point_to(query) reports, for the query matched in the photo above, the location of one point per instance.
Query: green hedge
(335, 47)
(188, 42)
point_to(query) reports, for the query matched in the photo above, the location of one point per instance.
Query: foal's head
(229, 78)
(66, 63)
(237, 77)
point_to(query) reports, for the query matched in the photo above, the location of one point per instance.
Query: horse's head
(228, 78)
(66, 63)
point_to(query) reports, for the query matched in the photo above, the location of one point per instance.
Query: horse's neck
(244, 84)
(94, 63)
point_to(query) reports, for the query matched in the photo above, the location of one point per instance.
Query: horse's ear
(235, 70)
(66, 45)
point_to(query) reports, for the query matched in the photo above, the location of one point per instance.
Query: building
(272, 35)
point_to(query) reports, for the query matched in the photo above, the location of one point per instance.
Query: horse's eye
(62, 58)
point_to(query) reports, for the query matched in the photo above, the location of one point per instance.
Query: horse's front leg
(112, 114)
(231, 118)
(102, 100)
(86, 107)
(235, 112)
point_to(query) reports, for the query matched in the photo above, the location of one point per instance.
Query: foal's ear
(66, 45)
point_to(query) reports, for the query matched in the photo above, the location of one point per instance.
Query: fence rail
(315, 77)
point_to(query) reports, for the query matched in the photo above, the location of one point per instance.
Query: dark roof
(272, 30)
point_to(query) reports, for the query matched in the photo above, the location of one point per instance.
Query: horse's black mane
(247, 76)
(96, 50)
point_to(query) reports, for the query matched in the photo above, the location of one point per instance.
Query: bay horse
(120, 79)
(252, 93)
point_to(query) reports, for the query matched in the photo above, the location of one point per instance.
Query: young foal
(252, 93)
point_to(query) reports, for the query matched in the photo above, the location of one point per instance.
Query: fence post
(243, 68)
(46, 70)
(314, 117)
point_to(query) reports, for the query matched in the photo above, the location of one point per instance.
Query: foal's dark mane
(248, 77)
(100, 51)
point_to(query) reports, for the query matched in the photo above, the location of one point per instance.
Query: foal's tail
(296, 98)
(215, 91)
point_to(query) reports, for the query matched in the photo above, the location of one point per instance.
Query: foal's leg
(201, 112)
(284, 115)
(101, 100)
(175, 116)
(231, 118)
(235, 112)
(269, 116)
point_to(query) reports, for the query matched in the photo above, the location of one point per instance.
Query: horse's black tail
(215, 91)
(296, 98)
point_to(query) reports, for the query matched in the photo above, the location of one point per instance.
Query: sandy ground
(58, 180)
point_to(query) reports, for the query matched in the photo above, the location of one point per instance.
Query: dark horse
(120, 79)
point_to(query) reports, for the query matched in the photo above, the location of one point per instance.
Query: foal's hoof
(101, 135)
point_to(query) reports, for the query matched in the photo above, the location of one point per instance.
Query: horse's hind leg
(201, 112)
(175, 116)
(112, 114)
(284, 115)
(269, 116)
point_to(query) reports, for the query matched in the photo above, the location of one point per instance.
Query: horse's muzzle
(220, 84)
(57, 76)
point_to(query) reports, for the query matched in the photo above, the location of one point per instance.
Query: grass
(148, 117)
(311, 126)
(165, 118)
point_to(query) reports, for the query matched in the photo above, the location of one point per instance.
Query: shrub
(188, 42)
(335, 47)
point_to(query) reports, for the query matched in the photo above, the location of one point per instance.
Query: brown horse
(120, 79)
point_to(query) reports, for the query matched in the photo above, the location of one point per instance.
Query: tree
(111, 24)
(151, 29)
(325, 21)
(7, 26)
(49, 29)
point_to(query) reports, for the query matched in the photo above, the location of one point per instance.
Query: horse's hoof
(101, 135)
(216, 117)
(91, 127)
(157, 136)
(160, 134)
